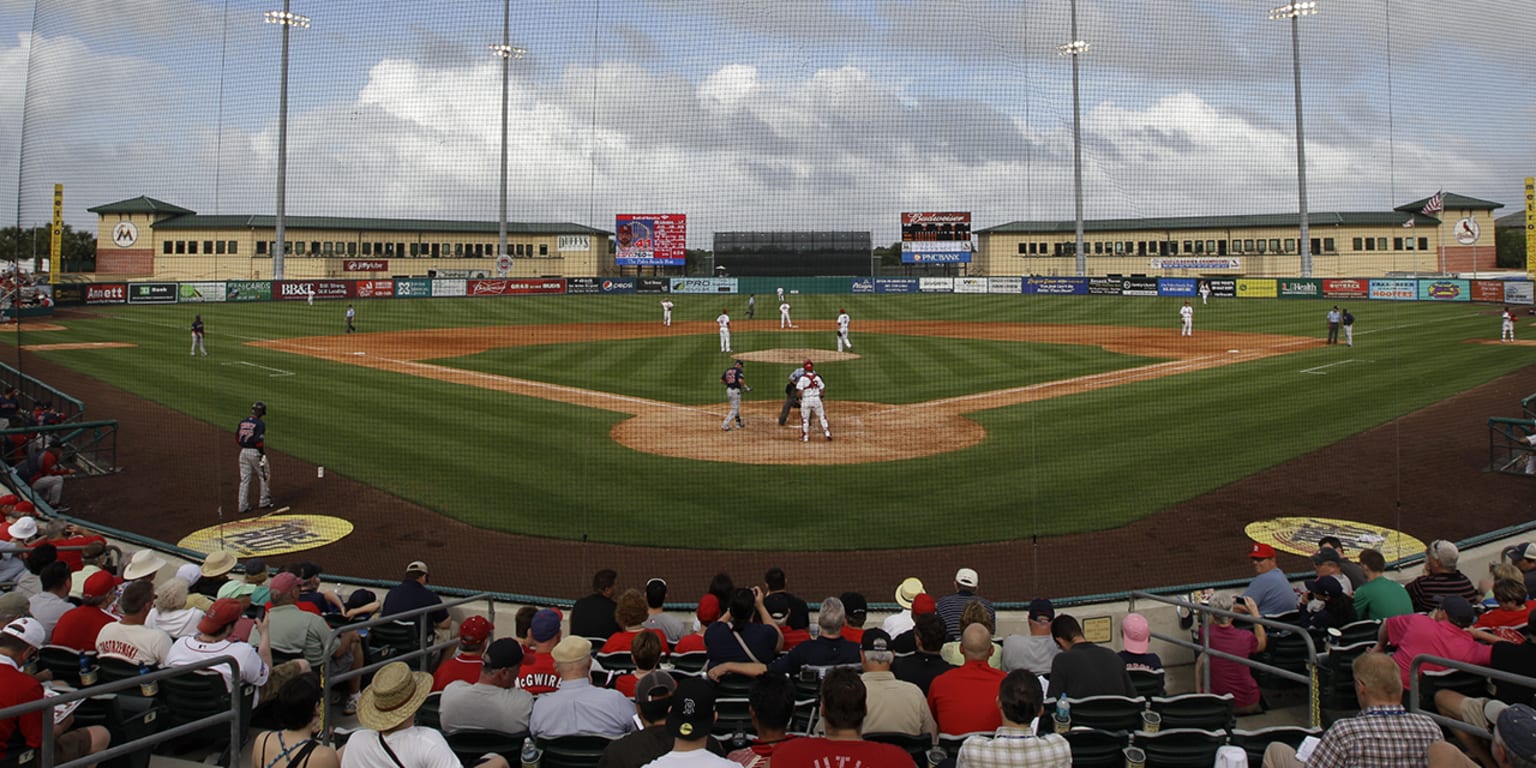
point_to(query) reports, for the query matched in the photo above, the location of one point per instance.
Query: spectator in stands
(92, 558)
(656, 616)
(1269, 588)
(974, 613)
(963, 699)
(793, 626)
(787, 608)
(1020, 701)
(738, 639)
(13, 605)
(67, 537)
(1350, 568)
(1230, 676)
(771, 705)
(299, 632)
(171, 614)
(190, 573)
(392, 738)
(1442, 633)
(1136, 637)
(707, 613)
(1440, 578)
(722, 588)
(924, 664)
(45, 473)
(256, 667)
(50, 604)
(323, 601)
(492, 702)
(1379, 597)
(951, 606)
(1524, 558)
(1326, 562)
(891, 705)
(521, 623)
(38, 558)
(412, 593)
(145, 564)
(20, 641)
(214, 573)
(1514, 741)
(646, 655)
(78, 627)
(1508, 616)
(906, 642)
(361, 605)
(255, 571)
(690, 719)
(12, 565)
(468, 659)
(1500, 571)
(830, 648)
(1516, 658)
(900, 623)
(653, 696)
(592, 616)
(842, 712)
(1085, 669)
(537, 674)
(1383, 734)
(630, 614)
(245, 594)
(1325, 605)
(857, 610)
(294, 744)
(130, 638)
(577, 706)
(1036, 650)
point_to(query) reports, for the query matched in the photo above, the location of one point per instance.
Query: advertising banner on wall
(650, 239)
(106, 293)
(1198, 263)
(1257, 288)
(1489, 291)
(151, 293)
(295, 290)
(1104, 286)
(862, 285)
(200, 292)
(936, 238)
(652, 284)
(1346, 288)
(1138, 286)
(515, 286)
(413, 287)
(896, 285)
(1176, 286)
(1445, 290)
(69, 294)
(936, 284)
(1301, 288)
(1005, 285)
(703, 285)
(970, 285)
(364, 265)
(374, 289)
(449, 287)
(583, 285)
(1395, 290)
(1519, 292)
(618, 285)
(1056, 286)
(1222, 287)
(247, 290)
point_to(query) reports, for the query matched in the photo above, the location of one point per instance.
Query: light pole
(507, 53)
(287, 19)
(1294, 11)
(1075, 49)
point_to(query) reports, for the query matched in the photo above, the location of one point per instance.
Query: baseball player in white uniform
(724, 320)
(666, 312)
(1508, 331)
(311, 294)
(784, 321)
(811, 386)
(842, 330)
(1205, 291)
(1187, 316)
(781, 294)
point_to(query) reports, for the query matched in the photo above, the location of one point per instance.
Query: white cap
(28, 630)
(24, 528)
(966, 577)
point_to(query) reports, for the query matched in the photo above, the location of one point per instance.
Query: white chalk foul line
(451, 374)
(275, 372)
(1319, 370)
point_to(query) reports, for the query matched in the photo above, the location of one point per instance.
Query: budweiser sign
(935, 218)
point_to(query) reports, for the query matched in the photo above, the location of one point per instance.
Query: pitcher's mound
(797, 356)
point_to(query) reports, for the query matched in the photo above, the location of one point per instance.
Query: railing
(1413, 688)
(90, 447)
(1314, 703)
(1508, 450)
(1528, 406)
(47, 703)
(34, 391)
(423, 651)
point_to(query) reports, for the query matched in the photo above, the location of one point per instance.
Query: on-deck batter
(251, 437)
(811, 386)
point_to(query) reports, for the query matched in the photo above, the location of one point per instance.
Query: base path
(864, 432)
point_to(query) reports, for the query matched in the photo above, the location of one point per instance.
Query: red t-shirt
(459, 667)
(855, 634)
(537, 674)
(1506, 623)
(626, 683)
(72, 556)
(964, 699)
(794, 637)
(17, 687)
(689, 644)
(78, 627)
(816, 753)
(623, 640)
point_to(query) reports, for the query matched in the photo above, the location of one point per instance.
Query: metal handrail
(1204, 646)
(422, 652)
(236, 730)
(1413, 687)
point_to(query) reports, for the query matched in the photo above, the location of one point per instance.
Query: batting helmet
(259, 408)
(808, 365)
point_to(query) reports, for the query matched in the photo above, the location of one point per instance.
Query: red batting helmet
(808, 365)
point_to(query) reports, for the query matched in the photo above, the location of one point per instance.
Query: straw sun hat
(394, 697)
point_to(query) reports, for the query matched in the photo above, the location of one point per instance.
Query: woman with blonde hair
(171, 613)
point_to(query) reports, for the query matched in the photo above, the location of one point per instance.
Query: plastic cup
(1063, 724)
(1135, 757)
(1151, 722)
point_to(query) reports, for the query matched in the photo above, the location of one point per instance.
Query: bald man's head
(976, 642)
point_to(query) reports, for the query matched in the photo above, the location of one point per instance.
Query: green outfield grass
(1085, 462)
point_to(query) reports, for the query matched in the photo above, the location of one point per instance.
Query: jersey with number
(251, 433)
(810, 386)
(733, 378)
(197, 327)
(842, 322)
(725, 321)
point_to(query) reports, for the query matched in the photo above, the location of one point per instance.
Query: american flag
(1435, 205)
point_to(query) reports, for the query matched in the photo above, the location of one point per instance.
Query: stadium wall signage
(200, 292)
(651, 284)
(1445, 290)
(1176, 286)
(413, 287)
(106, 293)
(1256, 288)
(703, 285)
(896, 285)
(1301, 288)
(364, 265)
(1395, 290)
(1057, 286)
(1138, 286)
(151, 293)
(936, 284)
(1347, 289)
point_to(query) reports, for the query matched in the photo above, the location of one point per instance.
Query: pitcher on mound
(811, 386)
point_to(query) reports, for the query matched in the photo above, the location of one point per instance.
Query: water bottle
(531, 753)
(87, 672)
(149, 689)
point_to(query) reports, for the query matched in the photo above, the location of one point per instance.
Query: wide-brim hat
(910, 587)
(144, 562)
(218, 563)
(394, 697)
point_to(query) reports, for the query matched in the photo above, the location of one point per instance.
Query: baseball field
(583, 418)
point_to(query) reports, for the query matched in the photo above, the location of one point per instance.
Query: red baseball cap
(25, 506)
(709, 609)
(100, 583)
(9, 498)
(221, 614)
(924, 603)
(1261, 551)
(475, 630)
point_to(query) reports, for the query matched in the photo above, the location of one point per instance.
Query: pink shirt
(1414, 634)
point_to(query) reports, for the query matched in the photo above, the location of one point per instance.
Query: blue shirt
(821, 652)
(579, 707)
(1272, 592)
(251, 432)
(412, 594)
(721, 646)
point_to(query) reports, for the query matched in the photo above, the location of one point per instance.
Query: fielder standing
(351, 315)
(781, 294)
(1507, 333)
(1187, 317)
(1348, 321)
(724, 321)
(784, 321)
(734, 380)
(197, 336)
(811, 386)
(842, 330)
(311, 294)
(1205, 291)
(751, 305)
(251, 437)
(666, 312)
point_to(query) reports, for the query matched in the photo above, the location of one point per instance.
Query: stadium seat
(1205, 711)
(690, 663)
(22, 758)
(1354, 632)
(1255, 741)
(1097, 748)
(113, 668)
(1180, 747)
(617, 661)
(916, 746)
(1287, 650)
(733, 721)
(126, 717)
(733, 686)
(279, 657)
(578, 751)
(1148, 682)
(1448, 679)
(1109, 713)
(470, 745)
(1336, 677)
(430, 714)
(63, 662)
(193, 696)
(950, 743)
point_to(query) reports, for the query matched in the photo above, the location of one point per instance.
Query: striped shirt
(1427, 590)
(1379, 737)
(1009, 747)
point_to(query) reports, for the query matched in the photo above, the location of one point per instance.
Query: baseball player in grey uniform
(251, 436)
(734, 380)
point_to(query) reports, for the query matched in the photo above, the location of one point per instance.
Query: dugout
(794, 254)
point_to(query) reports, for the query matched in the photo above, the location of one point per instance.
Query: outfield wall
(1375, 289)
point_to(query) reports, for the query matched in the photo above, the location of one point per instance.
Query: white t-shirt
(698, 758)
(190, 650)
(417, 747)
(134, 642)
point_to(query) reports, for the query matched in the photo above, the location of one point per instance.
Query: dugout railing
(34, 391)
(47, 703)
(1205, 612)
(423, 652)
(1415, 687)
(1528, 406)
(1509, 449)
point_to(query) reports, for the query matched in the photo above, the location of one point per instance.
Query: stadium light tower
(507, 52)
(287, 19)
(1075, 49)
(1294, 11)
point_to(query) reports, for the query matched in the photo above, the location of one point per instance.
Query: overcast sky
(762, 114)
